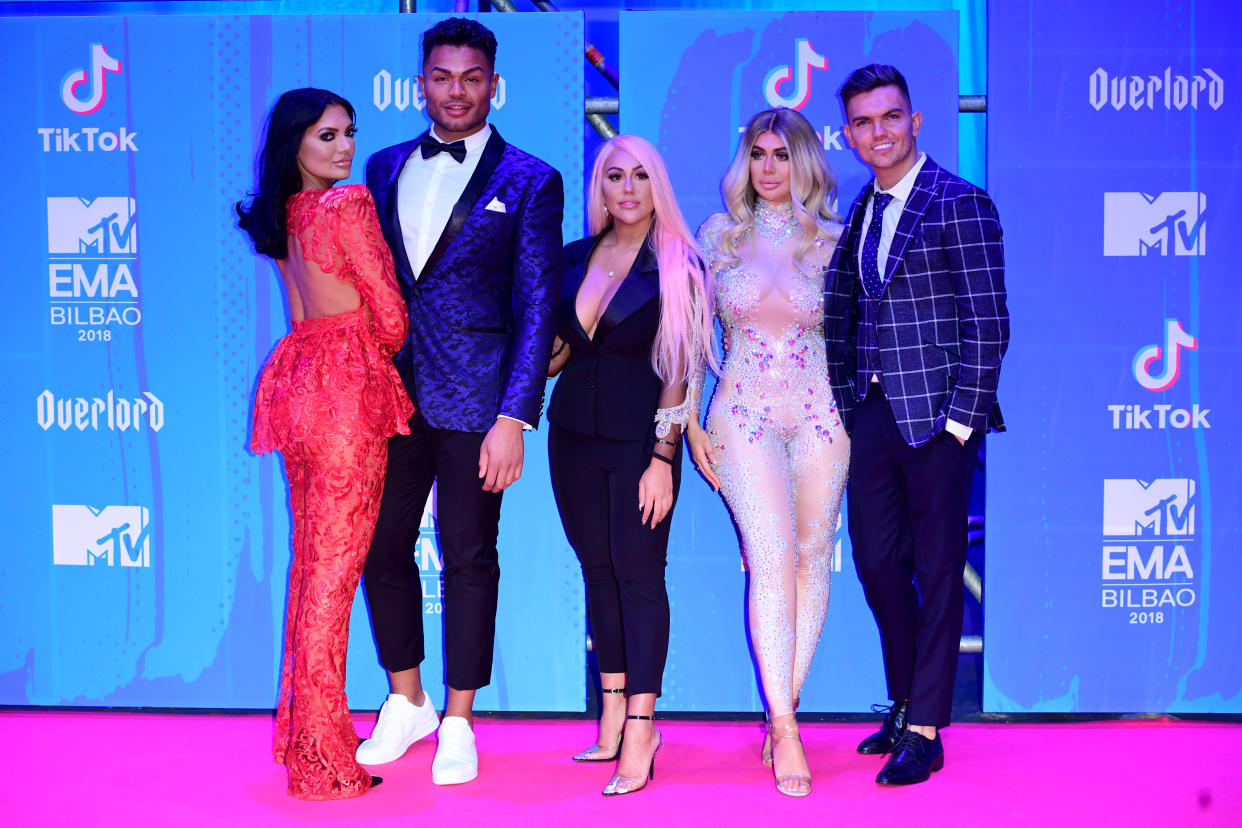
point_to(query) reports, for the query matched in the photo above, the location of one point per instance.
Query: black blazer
(608, 387)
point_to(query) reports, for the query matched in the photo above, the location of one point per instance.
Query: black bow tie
(430, 147)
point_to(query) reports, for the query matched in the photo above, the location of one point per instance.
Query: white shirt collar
(901, 190)
(473, 142)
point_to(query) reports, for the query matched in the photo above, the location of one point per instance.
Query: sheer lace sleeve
(368, 263)
(674, 410)
(694, 393)
(708, 239)
(708, 243)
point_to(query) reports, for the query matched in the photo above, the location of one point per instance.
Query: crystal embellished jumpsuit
(782, 457)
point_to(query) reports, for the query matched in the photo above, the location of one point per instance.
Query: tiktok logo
(101, 62)
(1140, 417)
(800, 73)
(1170, 354)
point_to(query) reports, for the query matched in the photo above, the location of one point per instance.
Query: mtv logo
(427, 548)
(1138, 224)
(86, 536)
(1159, 509)
(105, 226)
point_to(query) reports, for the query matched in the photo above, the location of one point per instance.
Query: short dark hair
(870, 78)
(459, 31)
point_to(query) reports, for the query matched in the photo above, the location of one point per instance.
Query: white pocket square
(495, 205)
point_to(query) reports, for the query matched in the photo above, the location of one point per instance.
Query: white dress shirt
(892, 214)
(888, 230)
(427, 189)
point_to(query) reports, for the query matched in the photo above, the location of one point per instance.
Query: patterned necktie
(431, 147)
(872, 282)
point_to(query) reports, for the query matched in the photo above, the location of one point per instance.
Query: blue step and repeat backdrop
(1114, 577)
(154, 547)
(149, 554)
(149, 550)
(689, 83)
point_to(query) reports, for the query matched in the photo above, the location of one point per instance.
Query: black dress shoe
(376, 780)
(884, 739)
(914, 759)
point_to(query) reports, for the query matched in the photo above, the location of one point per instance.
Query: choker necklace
(776, 222)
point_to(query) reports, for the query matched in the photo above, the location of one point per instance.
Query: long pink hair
(685, 334)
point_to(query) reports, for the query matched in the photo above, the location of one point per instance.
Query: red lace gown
(328, 399)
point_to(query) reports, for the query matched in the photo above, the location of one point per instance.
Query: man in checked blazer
(916, 329)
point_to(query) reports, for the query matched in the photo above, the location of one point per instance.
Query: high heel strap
(790, 784)
(612, 690)
(787, 731)
(642, 718)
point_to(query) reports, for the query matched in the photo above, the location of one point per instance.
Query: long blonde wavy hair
(812, 186)
(685, 333)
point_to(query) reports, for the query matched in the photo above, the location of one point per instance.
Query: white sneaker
(456, 759)
(401, 723)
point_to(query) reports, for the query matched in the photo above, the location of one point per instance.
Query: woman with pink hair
(632, 328)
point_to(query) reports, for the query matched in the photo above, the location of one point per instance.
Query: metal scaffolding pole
(594, 111)
(972, 103)
(603, 105)
(602, 125)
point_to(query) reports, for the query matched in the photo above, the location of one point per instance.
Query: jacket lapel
(641, 285)
(391, 216)
(926, 185)
(575, 275)
(492, 153)
(853, 230)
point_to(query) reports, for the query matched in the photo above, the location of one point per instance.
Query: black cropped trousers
(468, 524)
(595, 481)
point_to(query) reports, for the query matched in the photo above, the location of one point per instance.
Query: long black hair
(277, 166)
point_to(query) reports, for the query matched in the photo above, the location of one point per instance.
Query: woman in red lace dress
(328, 399)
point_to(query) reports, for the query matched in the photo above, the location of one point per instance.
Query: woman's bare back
(311, 292)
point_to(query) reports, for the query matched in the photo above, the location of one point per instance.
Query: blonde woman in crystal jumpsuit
(774, 444)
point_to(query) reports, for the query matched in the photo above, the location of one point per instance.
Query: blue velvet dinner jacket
(482, 312)
(943, 325)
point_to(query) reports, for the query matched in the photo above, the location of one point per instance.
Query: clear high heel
(765, 754)
(790, 784)
(620, 785)
(598, 752)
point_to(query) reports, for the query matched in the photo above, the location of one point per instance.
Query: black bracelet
(666, 442)
(659, 456)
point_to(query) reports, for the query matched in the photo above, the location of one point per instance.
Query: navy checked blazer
(941, 322)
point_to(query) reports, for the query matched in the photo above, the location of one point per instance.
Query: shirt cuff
(525, 425)
(958, 430)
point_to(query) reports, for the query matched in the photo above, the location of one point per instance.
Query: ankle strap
(612, 690)
(642, 718)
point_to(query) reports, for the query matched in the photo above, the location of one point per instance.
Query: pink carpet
(103, 769)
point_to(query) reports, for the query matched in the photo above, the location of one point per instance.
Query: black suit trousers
(468, 520)
(908, 511)
(595, 481)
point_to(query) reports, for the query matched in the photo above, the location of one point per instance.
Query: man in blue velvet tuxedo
(916, 327)
(475, 229)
